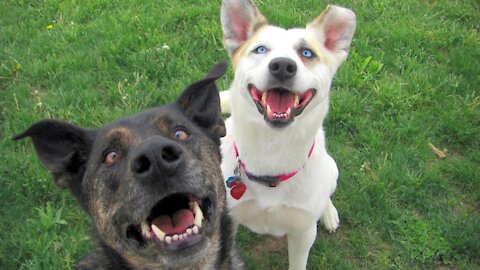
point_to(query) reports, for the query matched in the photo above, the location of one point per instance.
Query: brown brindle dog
(151, 183)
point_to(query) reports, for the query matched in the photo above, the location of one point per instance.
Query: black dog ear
(201, 102)
(63, 148)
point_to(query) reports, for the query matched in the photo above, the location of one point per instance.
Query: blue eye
(307, 53)
(260, 50)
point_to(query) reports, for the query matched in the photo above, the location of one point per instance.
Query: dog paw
(330, 218)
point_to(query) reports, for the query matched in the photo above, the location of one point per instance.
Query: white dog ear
(240, 19)
(335, 28)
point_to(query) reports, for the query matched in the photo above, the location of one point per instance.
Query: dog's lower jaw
(278, 105)
(140, 249)
(199, 259)
(150, 257)
(218, 252)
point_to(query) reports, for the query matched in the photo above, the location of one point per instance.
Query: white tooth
(180, 237)
(168, 239)
(289, 110)
(269, 110)
(194, 207)
(175, 237)
(159, 233)
(296, 101)
(264, 98)
(185, 235)
(198, 217)
(189, 231)
(146, 230)
(195, 229)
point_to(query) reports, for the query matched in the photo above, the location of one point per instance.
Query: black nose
(156, 157)
(282, 68)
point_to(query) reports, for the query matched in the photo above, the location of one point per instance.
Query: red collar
(271, 181)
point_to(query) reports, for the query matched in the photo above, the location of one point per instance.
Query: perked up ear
(63, 148)
(201, 102)
(335, 28)
(240, 19)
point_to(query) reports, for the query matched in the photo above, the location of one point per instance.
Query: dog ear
(240, 19)
(335, 28)
(201, 102)
(63, 148)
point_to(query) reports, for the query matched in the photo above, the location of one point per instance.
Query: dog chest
(274, 220)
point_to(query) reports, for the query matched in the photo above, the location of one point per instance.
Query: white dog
(280, 176)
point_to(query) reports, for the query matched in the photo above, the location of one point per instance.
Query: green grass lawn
(412, 78)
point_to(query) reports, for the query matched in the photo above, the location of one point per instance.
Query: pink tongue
(280, 101)
(177, 223)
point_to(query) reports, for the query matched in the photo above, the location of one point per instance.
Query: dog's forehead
(283, 42)
(277, 38)
(148, 123)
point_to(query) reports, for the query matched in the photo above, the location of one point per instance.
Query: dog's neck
(265, 149)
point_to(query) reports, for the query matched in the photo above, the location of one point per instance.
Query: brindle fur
(113, 196)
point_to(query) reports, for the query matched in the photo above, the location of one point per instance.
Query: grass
(412, 78)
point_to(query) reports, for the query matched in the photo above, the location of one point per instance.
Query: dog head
(278, 72)
(151, 182)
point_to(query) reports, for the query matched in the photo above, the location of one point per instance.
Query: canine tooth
(197, 212)
(175, 237)
(198, 217)
(195, 229)
(296, 101)
(195, 207)
(168, 239)
(146, 230)
(289, 110)
(264, 98)
(269, 110)
(159, 233)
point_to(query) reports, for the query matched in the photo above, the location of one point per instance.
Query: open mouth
(279, 106)
(175, 222)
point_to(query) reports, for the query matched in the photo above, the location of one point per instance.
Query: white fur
(293, 207)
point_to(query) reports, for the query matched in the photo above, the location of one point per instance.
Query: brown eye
(110, 157)
(181, 134)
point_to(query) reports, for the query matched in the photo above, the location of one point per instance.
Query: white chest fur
(291, 206)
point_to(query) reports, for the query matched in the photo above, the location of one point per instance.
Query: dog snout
(156, 157)
(282, 68)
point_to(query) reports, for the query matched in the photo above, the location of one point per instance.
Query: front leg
(330, 217)
(299, 245)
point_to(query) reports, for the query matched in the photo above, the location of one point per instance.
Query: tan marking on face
(163, 124)
(315, 29)
(102, 216)
(103, 213)
(318, 49)
(242, 50)
(124, 134)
